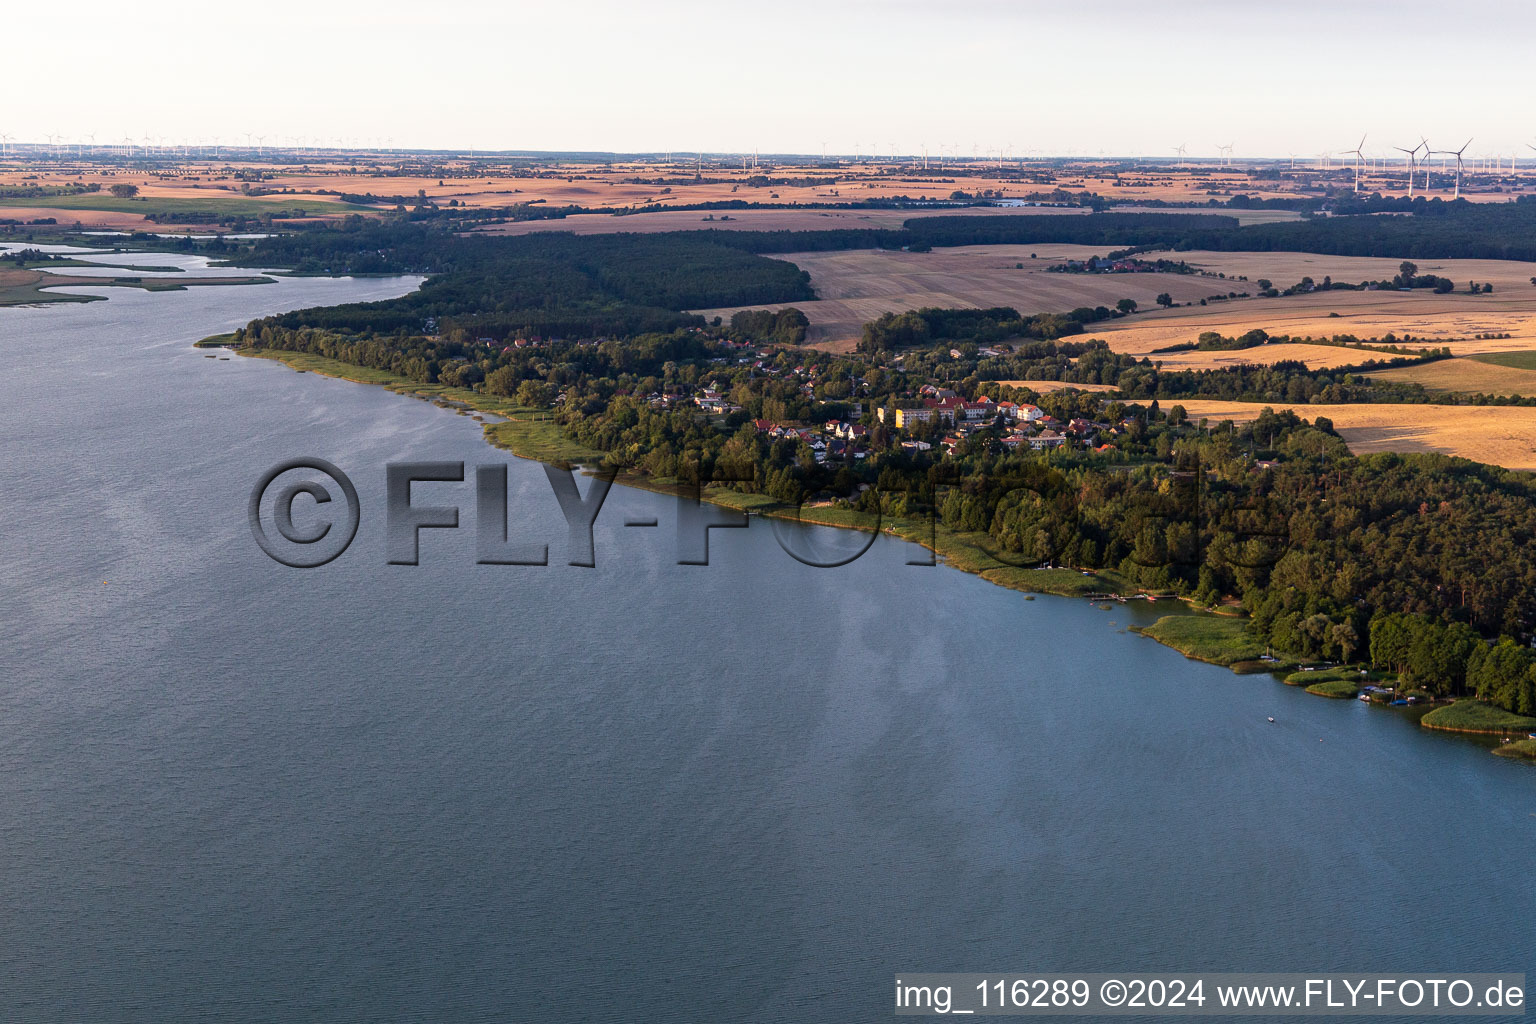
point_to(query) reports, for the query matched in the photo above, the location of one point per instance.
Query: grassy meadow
(1475, 716)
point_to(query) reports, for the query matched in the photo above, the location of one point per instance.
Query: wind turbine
(1457, 154)
(1359, 157)
(1226, 153)
(4, 140)
(1179, 152)
(1413, 163)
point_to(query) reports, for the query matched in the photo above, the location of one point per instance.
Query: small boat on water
(1271, 719)
(1365, 697)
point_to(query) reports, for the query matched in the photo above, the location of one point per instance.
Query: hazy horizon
(847, 77)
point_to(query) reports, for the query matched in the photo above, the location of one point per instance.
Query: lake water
(747, 791)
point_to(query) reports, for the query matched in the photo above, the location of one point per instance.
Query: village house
(948, 409)
(1047, 439)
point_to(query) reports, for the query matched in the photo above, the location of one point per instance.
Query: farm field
(92, 220)
(1498, 435)
(185, 201)
(1045, 387)
(604, 186)
(501, 180)
(1286, 268)
(497, 181)
(1431, 319)
(857, 286)
(1522, 360)
(809, 219)
(102, 211)
(819, 220)
(1316, 357)
(1469, 375)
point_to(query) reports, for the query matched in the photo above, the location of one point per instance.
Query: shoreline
(532, 434)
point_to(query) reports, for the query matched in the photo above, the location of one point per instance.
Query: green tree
(535, 393)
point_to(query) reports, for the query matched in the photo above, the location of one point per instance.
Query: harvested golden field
(1045, 387)
(558, 184)
(93, 220)
(1179, 185)
(626, 185)
(1498, 435)
(1316, 357)
(858, 286)
(1469, 376)
(1432, 320)
(1286, 268)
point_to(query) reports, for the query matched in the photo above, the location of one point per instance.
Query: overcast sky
(783, 76)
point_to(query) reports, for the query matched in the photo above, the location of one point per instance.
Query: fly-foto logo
(332, 511)
(1172, 521)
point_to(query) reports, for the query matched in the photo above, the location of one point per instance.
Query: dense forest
(891, 331)
(539, 285)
